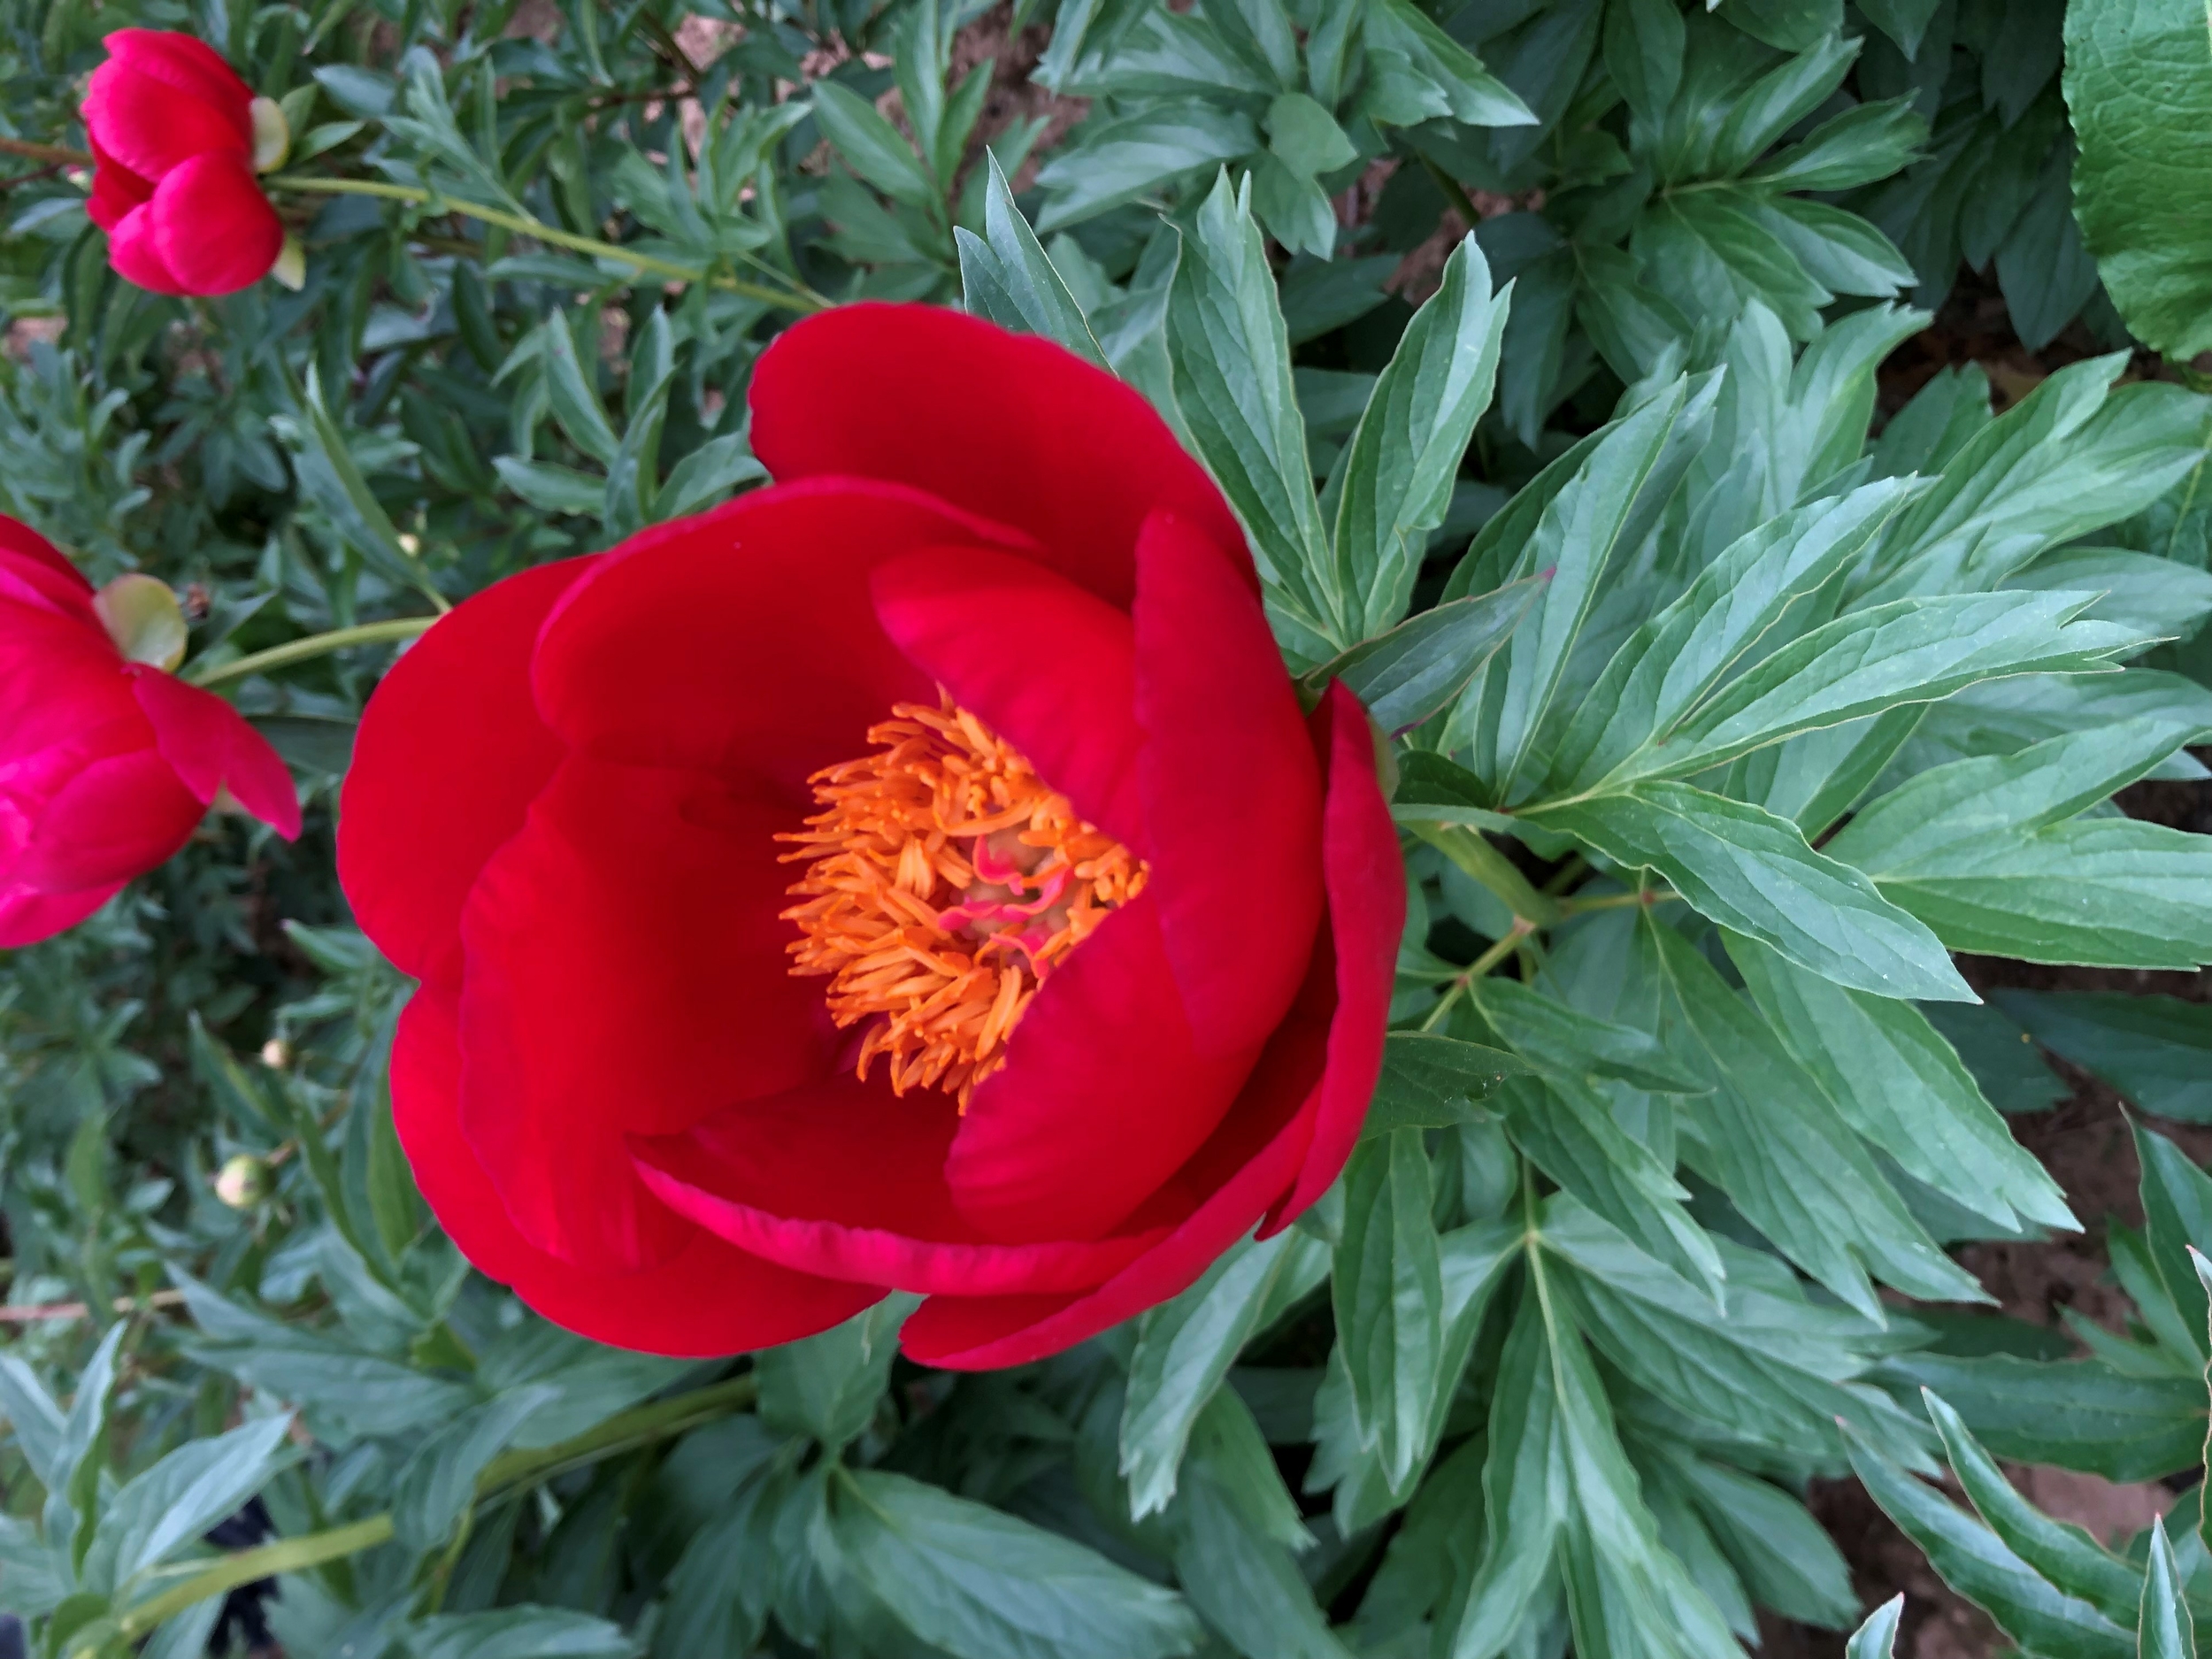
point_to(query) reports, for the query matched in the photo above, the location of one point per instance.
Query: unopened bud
(142, 617)
(243, 1182)
(276, 1054)
(272, 134)
(290, 268)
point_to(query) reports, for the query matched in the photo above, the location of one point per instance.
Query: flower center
(945, 881)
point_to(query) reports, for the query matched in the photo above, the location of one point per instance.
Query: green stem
(1486, 864)
(803, 300)
(1515, 936)
(1616, 901)
(290, 1554)
(314, 645)
(505, 1474)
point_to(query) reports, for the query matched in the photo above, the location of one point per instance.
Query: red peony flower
(918, 875)
(106, 762)
(175, 147)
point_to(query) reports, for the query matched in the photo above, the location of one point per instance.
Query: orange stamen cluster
(946, 880)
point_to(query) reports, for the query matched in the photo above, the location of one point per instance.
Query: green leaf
(1912, 650)
(1419, 667)
(552, 488)
(2076, 1414)
(2155, 1050)
(706, 477)
(1234, 386)
(180, 1497)
(1008, 278)
(1769, 1138)
(1756, 1366)
(1988, 853)
(1427, 1081)
(519, 1633)
(1600, 507)
(1562, 1039)
(2177, 1217)
(1877, 1639)
(1448, 73)
(979, 1584)
(1568, 1131)
(1185, 1347)
(1398, 474)
(1752, 871)
(438, 1483)
(1244, 1583)
(872, 146)
(2139, 84)
(1897, 1082)
(1975, 1561)
(828, 1387)
(1306, 137)
(574, 394)
(2063, 1554)
(333, 480)
(1389, 1294)
(1787, 1562)
(1120, 160)
(1672, 662)
(2164, 1629)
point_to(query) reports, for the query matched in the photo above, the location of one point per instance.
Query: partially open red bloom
(174, 184)
(918, 875)
(105, 764)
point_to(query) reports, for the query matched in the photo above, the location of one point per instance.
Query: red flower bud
(107, 761)
(915, 876)
(174, 140)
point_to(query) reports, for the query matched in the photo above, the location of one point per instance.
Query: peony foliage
(1436, 785)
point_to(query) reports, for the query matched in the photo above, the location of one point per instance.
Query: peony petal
(161, 99)
(213, 749)
(625, 974)
(1049, 666)
(845, 1179)
(1232, 790)
(130, 250)
(1000, 424)
(745, 638)
(34, 572)
(1102, 1096)
(115, 818)
(213, 226)
(705, 1300)
(116, 190)
(1367, 911)
(28, 914)
(185, 65)
(450, 756)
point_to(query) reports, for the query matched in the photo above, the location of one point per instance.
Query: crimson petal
(450, 756)
(625, 974)
(844, 1178)
(212, 227)
(1232, 790)
(212, 748)
(1049, 666)
(1003, 425)
(1103, 1097)
(706, 1299)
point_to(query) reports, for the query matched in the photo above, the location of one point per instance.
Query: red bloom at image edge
(106, 763)
(174, 151)
(918, 875)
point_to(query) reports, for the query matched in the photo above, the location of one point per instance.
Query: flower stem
(511, 1471)
(801, 299)
(313, 646)
(59, 155)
